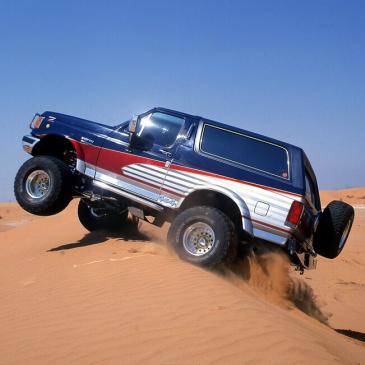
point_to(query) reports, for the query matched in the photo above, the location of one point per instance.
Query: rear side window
(160, 129)
(310, 191)
(245, 150)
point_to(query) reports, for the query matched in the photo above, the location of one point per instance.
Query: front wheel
(43, 185)
(203, 235)
(97, 218)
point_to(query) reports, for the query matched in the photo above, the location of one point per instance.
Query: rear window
(244, 150)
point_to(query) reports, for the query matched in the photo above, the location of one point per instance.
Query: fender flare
(34, 142)
(31, 143)
(241, 204)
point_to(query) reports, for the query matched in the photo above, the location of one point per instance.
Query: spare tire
(333, 229)
(43, 185)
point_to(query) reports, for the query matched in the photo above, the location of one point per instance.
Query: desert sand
(70, 297)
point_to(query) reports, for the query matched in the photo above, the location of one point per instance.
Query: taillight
(295, 213)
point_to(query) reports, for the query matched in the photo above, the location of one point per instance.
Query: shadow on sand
(360, 336)
(129, 234)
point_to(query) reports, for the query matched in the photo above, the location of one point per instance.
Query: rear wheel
(333, 229)
(203, 235)
(43, 185)
(97, 218)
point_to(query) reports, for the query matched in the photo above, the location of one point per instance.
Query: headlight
(36, 121)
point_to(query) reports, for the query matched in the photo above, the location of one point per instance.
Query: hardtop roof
(289, 146)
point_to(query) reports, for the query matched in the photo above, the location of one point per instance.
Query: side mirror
(133, 125)
(132, 128)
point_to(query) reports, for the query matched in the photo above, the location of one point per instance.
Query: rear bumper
(29, 142)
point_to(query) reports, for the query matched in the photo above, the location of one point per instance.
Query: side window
(245, 151)
(159, 129)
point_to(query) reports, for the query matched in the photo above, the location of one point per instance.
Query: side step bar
(128, 195)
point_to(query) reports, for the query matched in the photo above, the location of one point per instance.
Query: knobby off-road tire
(333, 229)
(94, 219)
(204, 236)
(43, 185)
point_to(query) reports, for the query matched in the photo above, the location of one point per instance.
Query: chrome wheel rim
(345, 233)
(38, 184)
(199, 239)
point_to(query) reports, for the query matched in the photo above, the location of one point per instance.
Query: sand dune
(69, 297)
(353, 196)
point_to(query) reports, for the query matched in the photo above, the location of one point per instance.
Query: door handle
(166, 153)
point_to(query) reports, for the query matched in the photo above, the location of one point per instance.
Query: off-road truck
(220, 187)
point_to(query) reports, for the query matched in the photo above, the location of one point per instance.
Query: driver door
(141, 169)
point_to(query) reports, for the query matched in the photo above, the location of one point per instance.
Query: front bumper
(29, 142)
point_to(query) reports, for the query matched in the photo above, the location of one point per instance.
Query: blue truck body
(164, 162)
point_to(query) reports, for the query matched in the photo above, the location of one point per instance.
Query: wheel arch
(227, 201)
(58, 146)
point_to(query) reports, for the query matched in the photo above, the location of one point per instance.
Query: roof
(227, 126)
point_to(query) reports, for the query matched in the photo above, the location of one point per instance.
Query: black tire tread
(62, 193)
(228, 249)
(109, 222)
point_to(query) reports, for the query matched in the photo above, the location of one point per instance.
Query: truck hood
(73, 126)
